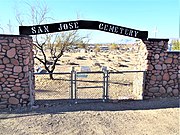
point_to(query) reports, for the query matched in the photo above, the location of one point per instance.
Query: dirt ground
(59, 88)
(113, 60)
(59, 117)
(120, 85)
(54, 114)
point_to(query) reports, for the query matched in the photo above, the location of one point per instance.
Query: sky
(162, 16)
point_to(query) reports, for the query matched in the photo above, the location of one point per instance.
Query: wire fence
(90, 85)
(126, 85)
(58, 88)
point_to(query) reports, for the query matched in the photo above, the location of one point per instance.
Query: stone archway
(16, 64)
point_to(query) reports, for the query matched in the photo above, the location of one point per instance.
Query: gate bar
(104, 85)
(75, 85)
(72, 82)
(92, 72)
(89, 87)
(61, 73)
(121, 72)
(107, 85)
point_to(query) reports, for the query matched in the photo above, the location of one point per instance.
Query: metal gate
(89, 85)
(107, 85)
(98, 85)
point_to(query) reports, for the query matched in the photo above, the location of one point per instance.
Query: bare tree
(54, 44)
(36, 15)
(2, 29)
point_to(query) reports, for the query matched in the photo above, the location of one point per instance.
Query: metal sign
(82, 24)
(84, 69)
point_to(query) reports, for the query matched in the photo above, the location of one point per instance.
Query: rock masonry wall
(17, 66)
(16, 60)
(162, 77)
(141, 65)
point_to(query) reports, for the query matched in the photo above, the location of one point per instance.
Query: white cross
(155, 31)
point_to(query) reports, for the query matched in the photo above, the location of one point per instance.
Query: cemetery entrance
(17, 64)
(100, 85)
(90, 86)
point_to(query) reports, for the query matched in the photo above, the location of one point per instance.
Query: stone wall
(141, 65)
(162, 72)
(17, 66)
(138, 84)
(16, 60)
